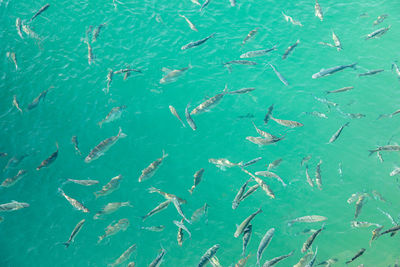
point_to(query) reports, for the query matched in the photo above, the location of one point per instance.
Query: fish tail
(164, 155)
(66, 244)
(121, 134)
(346, 124)
(190, 190)
(371, 152)
(100, 123)
(354, 65)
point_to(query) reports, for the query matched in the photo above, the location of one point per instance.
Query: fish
(344, 89)
(74, 140)
(318, 180)
(222, 163)
(240, 228)
(110, 187)
(30, 32)
(13, 58)
(269, 113)
(206, 2)
(199, 213)
(191, 25)
(291, 20)
(250, 35)
(18, 25)
(196, 2)
(246, 238)
(340, 170)
(332, 70)
(264, 134)
(36, 101)
(208, 255)
(103, 146)
(84, 182)
(264, 243)
(326, 101)
(358, 254)
(179, 209)
(125, 256)
(126, 71)
(40, 11)
(250, 162)
(90, 60)
(179, 236)
(337, 133)
(197, 179)
(248, 115)
(317, 114)
(242, 91)
(242, 262)
(378, 196)
(263, 141)
(305, 159)
(209, 103)
(214, 260)
(13, 205)
(113, 115)
(318, 11)
(358, 224)
(157, 209)
(74, 203)
(280, 76)
(327, 44)
(175, 113)
(307, 244)
(197, 43)
(150, 170)
(378, 154)
(395, 171)
(183, 227)
(287, 123)
(114, 228)
(328, 262)
(76, 230)
(275, 260)
(359, 205)
(172, 75)
(274, 164)
(290, 49)
(158, 260)
(239, 62)
(308, 219)
(377, 33)
(110, 208)
(389, 216)
(261, 183)
(304, 259)
(16, 104)
(257, 53)
(336, 40)
(14, 161)
(271, 175)
(397, 69)
(380, 19)
(309, 180)
(159, 228)
(249, 192)
(312, 261)
(238, 197)
(372, 72)
(49, 160)
(109, 79)
(189, 119)
(13, 180)
(385, 148)
(167, 196)
(96, 32)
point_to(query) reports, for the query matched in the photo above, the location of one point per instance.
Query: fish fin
(66, 244)
(100, 123)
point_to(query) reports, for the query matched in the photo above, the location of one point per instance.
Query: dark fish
(391, 230)
(330, 71)
(359, 253)
(264, 243)
(245, 223)
(337, 133)
(248, 115)
(250, 191)
(36, 101)
(372, 72)
(189, 119)
(344, 89)
(318, 180)
(196, 43)
(96, 32)
(12, 180)
(251, 162)
(157, 209)
(210, 102)
(40, 11)
(74, 233)
(206, 2)
(269, 113)
(208, 255)
(238, 197)
(49, 160)
(290, 49)
(385, 148)
(14, 161)
(275, 260)
(250, 35)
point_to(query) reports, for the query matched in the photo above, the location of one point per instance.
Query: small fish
(175, 113)
(183, 227)
(238, 197)
(127, 70)
(113, 115)
(36, 101)
(179, 236)
(375, 234)
(291, 20)
(328, 262)
(358, 254)
(191, 25)
(214, 260)
(358, 224)
(312, 261)
(397, 69)
(233, 2)
(197, 179)
(336, 40)
(196, 2)
(75, 203)
(269, 113)
(149, 171)
(179, 209)
(49, 160)
(359, 205)
(380, 19)
(189, 119)
(340, 170)
(326, 101)
(257, 53)
(264, 134)
(238, 62)
(280, 76)
(318, 11)
(290, 49)
(378, 196)
(199, 213)
(307, 244)
(327, 44)
(377, 33)
(264, 244)
(263, 141)
(337, 133)
(110, 208)
(110, 187)
(13, 205)
(275, 260)
(197, 43)
(317, 114)
(103, 146)
(389, 216)
(18, 25)
(96, 32)
(242, 91)
(109, 79)
(246, 238)
(245, 223)
(305, 160)
(159, 228)
(250, 35)
(125, 256)
(395, 171)
(172, 75)
(330, 71)
(157, 261)
(262, 184)
(249, 192)
(251, 162)
(271, 175)
(208, 255)
(13, 180)
(40, 11)
(90, 57)
(209, 103)
(16, 104)
(13, 58)
(157, 209)
(14, 161)
(167, 196)
(206, 2)
(287, 123)
(84, 182)
(391, 230)
(308, 219)
(385, 148)
(76, 230)
(112, 229)
(344, 89)
(378, 154)
(248, 115)
(304, 259)
(30, 32)
(74, 140)
(222, 163)
(372, 72)
(318, 180)
(309, 180)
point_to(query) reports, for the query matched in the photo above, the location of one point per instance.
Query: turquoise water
(148, 36)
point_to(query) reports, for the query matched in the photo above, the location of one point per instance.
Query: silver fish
(377, 33)
(250, 191)
(40, 11)
(264, 134)
(245, 223)
(250, 162)
(263, 141)
(189, 119)
(149, 171)
(114, 228)
(308, 219)
(372, 72)
(358, 224)
(271, 175)
(380, 19)
(197, 179)
(75, 203)
(222, 163)
(264, 243)
(307, 244)
(74, 141)
(110, 208)
(197, 43)
(167, 196)
(159, 228)
(16, 104)
(12, 56)
(179, 236)
(182, 226)
(13, 205)
(344, 89)
(191, 25)
(241, 91)
(261, 183)
(291, 20)
(395, 171)
(359, 205)
(199, 213)
(317, 114)
(172, 75)
(312, 261)
(290, 49)
(287, 123)
(238, 197)
(309, 180)
(257, 53)
(74, 233)
(157, 261)
(275, 260)
(96, 32)
(337, 133)
(109, 79)
(318, 11)
(30, 32)
(208, 255)
(280, 76)
(330, 71)
(103, 146)
(90, 60)
(110, 187)
(274, 164)
(18, 25)
(318, 180)
(385, 148)
(206, 105)
(250, 35)
(397, 69)
(84, 182)
(337, 42)
(113, 115)
(206, 2)
(175, 113)
(13, 180)
(125, 256)
(246, 238)
(179, 209)
(305, 159)
(157, 209)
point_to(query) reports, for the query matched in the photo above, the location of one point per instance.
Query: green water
(148, 35)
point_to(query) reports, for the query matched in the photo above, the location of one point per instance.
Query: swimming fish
(40, 11)
(337, 133)
(222, 163)
(395, 171)
(13, 180)
(18, 25)
(158, 228)
(250, 35)
(238, 197)
(290, 49)
(197, 179)
(318, 180)
(157, 261)
(74, 140)
(30, 32)
(13, 58)
(191, 25)
(109, 79)
(183, 227)
(280, 76)
(271, 175)
(318, 11)
(110, 187)
(96, 32)
(175, 113)
(196, 2)
(249, 192)
(330, 71)
(372, 72)
(377, 33)
(397, 69)
(49, 160)
(76, 230)
(240, 228)
(304, 259)
(308, 219)
(36, 101)
(90, 58)
(287, 123)
(263, 141)
(241, 91)
(309, 180)
(110, 208)
(84, 182)
(14, 161)
(257, 53)
(199, 213)
(268, 114)
(179, 236)
(359, 205)
(291, 20)
(157, 209)
(385, 148)
(75, 203)
(167, 196)
(208, 255)
(214, 260)
(358, 224)
(312, 261)
(172, 75)
(189, 119)
(206, 2)
(149, 171)
(103, 146)
(337, 42)
(261, 183)
(113, 115)
(246, 238)
(380, 19)
(358, 254)
(238, 62)
(250, 162)
(16, 104)
(264, 134)
(210, 102)
(179, 209)
(125, 256)
(307, 244)
(264, 243)
(13, 205)
(305, 159)
(275, 260)
(344, 89)
(112, 229)
(197, 43)
(328, 262)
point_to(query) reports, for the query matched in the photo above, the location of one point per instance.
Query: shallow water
(148, 36)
